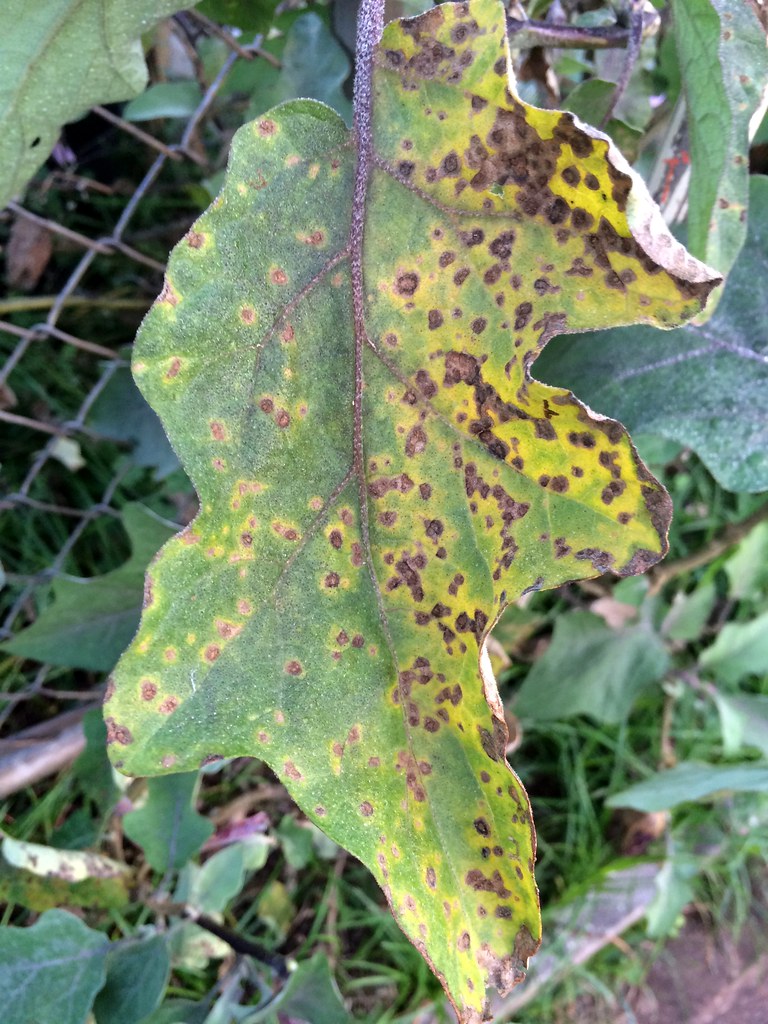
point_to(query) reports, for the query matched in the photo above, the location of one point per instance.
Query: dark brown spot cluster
(118, 733)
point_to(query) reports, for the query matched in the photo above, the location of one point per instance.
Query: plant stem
(370, 25)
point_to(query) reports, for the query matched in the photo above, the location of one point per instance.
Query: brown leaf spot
(148, 689)
(366, 809)
(194, 239)
(406, 283)
(248, 315)
(286, 532)
(211, 653)
(266, 127)
(168, 295)
(431, 878)
(481, 883)
(293, 667)
(320, 811)
(282, 419)
(358, 641)
(331, 580)
(173, 369)
(482, 827)
(335, 538)
(168, 705)
(118, 733)
(267, 405)
(434, 319)
(416, 441)
(278, 276)
(290, 769)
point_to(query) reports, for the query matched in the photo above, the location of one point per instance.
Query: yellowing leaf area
(341, 356)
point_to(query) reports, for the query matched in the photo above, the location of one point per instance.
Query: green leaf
(167, 99)
(91, 620)
(744, 721)
(296, 842)
(60, 57)
(747, 567)
(249, 15)
(741, 649)
(167, 827)
(674, 891)
(691, 781)
(693, 385)
(690, 613)
(213, 886)
(42, 877)
(50, 973)
(137, 974)
(379, 474)
(310, 994)
(121, 413)
(592, 670)
(724, 62)
(92, 770)
(179, 1011)
(313, 64)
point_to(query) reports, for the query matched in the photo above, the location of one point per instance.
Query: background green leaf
(137, 973)
(591, 669)
(167, 827)
(724, 63)
(90, 621)
(51, 971)
(740, 649)
(55, 66)
(310, 995)
(166, 99)
(691, 781)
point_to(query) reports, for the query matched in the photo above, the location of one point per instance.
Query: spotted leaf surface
(341, 355)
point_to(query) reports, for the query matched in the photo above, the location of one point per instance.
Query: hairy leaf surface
(341, 357)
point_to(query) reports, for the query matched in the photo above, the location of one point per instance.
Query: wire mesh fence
(84, 255)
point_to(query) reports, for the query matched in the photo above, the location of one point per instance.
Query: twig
(527, 34)
(719, 545)
(633, 52)
(25, 304)
(282, 966)
(248, 53)
(24, 767)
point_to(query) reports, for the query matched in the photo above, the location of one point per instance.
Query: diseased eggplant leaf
(723, 57)
(60, 57)
(341, 357)
(692, 385)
